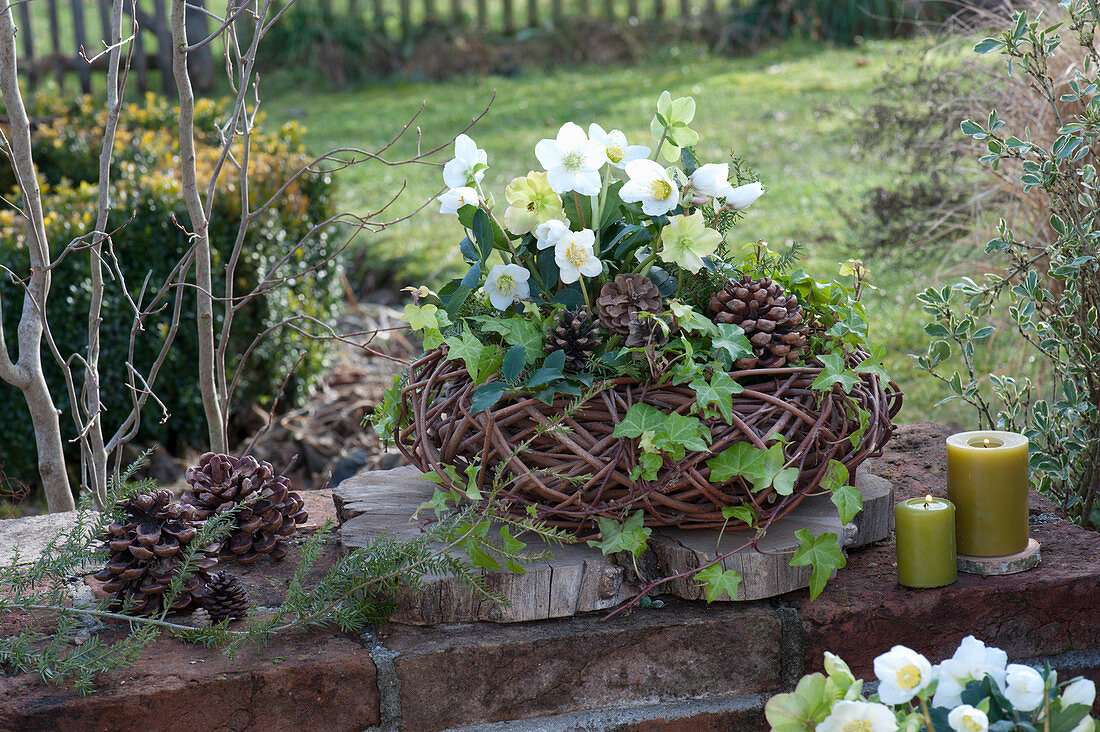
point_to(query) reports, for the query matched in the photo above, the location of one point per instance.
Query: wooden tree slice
(579, 578)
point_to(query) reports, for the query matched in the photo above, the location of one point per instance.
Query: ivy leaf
(648, 465)
(719, 582)
(629, 536)
(739, 459)
(719, 391)
(681, 430)
(424, 317)
(864, 422)
(512, 545)
(847, 498)
(731, 341)
(834, 371)
(820, 552)
(691, 320)
(467, 348)
(517, 331)
(762, 468)
(873, 364)
(775, 475)
(743, 512)
(639, 419)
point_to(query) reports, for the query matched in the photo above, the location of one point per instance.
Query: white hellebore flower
(456, 198)
(1024, 687)
(968, 719)
(548, 232)
(902, 673)
(506, 284)
(651, 186)
(744, 196)
(861, 716)
(468, 166)
(971, 662)
(712, 180)
(618, 152)
(572, 161)
(1079, 691)
(574, 256)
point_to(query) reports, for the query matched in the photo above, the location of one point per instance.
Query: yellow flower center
(506, 285)
(908, 677)
(660, 189)
(615, 153)
(573, 161)
(576, 255)
(970, 725)
(532, 206)
(858, 725)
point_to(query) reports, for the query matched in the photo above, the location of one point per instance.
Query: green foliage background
(146, 188)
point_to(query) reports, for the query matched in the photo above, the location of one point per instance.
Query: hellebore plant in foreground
(976, 690)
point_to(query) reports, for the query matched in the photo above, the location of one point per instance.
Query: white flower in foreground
(468, 166)
(574, 256)
(456, 198)
(712, 180)
(548, 233)
(744, 196)
(1024, 687)
(506, 284)
(862, 716)
(1088, 724)
(902, 673)
(971, 662)
(1079, 691)
(572, 161)
(968, 719)
(651, 186)
(614, 145)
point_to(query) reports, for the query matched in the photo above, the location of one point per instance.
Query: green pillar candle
(987, 480)
(925, 529)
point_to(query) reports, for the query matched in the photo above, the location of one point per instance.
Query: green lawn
(792, 111)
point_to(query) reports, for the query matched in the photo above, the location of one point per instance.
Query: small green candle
(925, 530)
(987, 480)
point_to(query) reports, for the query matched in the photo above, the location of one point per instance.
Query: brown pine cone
(621, 299)
(772, 320)
(647, 333)
(145, 552)
(574, 332)
(225, 597)
(268, 510)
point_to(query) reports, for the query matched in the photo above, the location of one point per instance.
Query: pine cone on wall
(270, 511)
(621, 299)
(772, 320)
(225, 597)
(145, 553)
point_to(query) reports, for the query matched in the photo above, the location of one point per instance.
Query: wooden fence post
(55, 43)
(28, 43)
(200, 62)
(141, 61)
(83, 68)
(164, 48)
